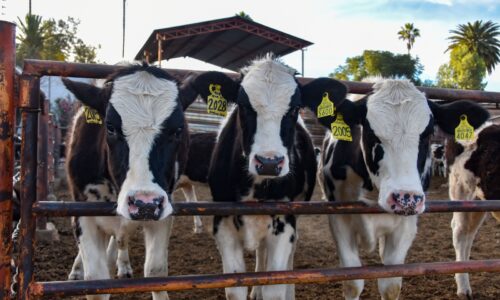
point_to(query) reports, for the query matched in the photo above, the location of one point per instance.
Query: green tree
(379, 63)
(466, 70)
(30, 39)
(479, 38)
(244, 15)
(408, 33)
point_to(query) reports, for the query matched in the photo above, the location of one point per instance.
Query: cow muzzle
(145, 206)
(406, 203)
(269, 165)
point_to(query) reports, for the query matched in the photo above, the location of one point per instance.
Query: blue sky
(338, 29)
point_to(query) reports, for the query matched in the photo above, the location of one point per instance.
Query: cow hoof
(198, 229)
(256, 293)
(125, 272)
(465, 295)
(75, 275)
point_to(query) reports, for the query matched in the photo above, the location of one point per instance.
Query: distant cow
(262, 154)
(387, 163)
(474, 174)
(439, 166)
(128, 144)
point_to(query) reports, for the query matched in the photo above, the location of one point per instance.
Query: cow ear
(187, 93)
(89, 94)
(447, 116)
(208, 83)
(322, 92)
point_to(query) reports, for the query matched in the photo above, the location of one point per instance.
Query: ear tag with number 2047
(216, 104)
(326, 107)
(91, 115)
(340, 130)
(464, 131)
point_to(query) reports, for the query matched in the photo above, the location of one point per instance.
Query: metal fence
(34, 206)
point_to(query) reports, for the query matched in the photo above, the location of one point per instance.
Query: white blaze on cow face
(143, 102)
(398, 114)
(270, 86)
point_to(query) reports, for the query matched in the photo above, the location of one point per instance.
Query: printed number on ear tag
(91, 116)
(326, 107)
(464, 131)
(216, 104)
(340, 130)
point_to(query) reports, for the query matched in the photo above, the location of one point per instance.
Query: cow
(474, 174)
(262, 153)
(439, 166)
(386, 163)
(127, 144)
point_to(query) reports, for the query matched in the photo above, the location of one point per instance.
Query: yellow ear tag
(91, 115)
(464, 131)
(216, 104)
(326, 107)
(340, 130)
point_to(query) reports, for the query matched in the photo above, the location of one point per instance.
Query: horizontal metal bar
(64, 209)
(54, 68)
(191, 282)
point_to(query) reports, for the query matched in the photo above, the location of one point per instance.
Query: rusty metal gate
(33, 206)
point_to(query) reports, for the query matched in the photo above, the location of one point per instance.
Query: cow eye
(178, 131)
(294, 111)
(111, 129)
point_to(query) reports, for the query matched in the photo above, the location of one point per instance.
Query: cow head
(397, 122)
(268, 100)
(143, 120)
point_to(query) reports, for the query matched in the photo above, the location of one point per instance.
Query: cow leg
(190, 195)
(260, 266)
(77, 268)
(464, 227)
(156, 237)
(231, 251)
(93, 243)
(112, 255)
(348, 252)
(123, 260)
(280, 245)
(393, 249)
(290, 293)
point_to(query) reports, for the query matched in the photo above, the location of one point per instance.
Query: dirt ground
(196, 254)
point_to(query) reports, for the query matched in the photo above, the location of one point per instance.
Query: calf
(439, 166)
(474, 174)
(262, 154)
(128, 144)
(386, 163)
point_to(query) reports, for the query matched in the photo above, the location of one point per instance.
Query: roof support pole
(302, 51)
(159, 38)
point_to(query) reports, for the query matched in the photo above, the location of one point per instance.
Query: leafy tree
(244, 15)
(408, 33)
(466, 70)
(379, 63)
(30, 41)
(480, 38)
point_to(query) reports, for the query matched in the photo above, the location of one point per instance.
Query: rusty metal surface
(190, 282)
(41, 68)
(30, 100)
(42, 179)
(65, 209)
(7, 113)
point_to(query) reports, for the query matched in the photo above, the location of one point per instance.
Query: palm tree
(244, 15)
(30, 38)
(481, 38)
(408, 33)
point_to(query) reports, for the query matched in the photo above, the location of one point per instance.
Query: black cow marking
(77, 229)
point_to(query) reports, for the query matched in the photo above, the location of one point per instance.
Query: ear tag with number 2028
(326, 107)
(340, 130)
(464, 131)
(216, 104)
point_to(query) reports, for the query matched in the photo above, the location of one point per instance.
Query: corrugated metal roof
(229, 43)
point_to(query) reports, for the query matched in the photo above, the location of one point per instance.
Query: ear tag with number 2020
(91, 115)
(216, 104)
(340, 130)
(326, 107)
(464, 131)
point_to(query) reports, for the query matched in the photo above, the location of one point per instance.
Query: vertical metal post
(7, 113)
(123, 33)
(302, 51)
(42, 175)
(29, 103)
(51, 155)
(160, 50)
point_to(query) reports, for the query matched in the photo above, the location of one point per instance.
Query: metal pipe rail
(39, 68)
(65, 209)
(190, 282)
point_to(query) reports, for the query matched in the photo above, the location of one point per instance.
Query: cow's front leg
(156, 237)
(280, 243)
(260, 266)
(93, 243)
(77, 268)
(393, 249)
(190, 195)
(231, 251)
(348, 252)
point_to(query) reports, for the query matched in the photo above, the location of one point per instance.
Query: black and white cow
(387, 163)
(439, 166)
(128, 144)
(474, 174)
(262, 154)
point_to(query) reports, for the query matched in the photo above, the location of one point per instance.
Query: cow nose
(145, 206)
(269, 166)
(406, 202)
